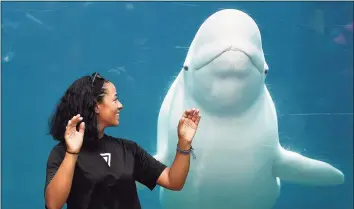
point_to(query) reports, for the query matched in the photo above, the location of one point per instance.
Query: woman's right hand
(74, 138)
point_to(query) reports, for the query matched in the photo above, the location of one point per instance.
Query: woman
(89, 169)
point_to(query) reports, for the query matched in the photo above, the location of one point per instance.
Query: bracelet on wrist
(73, 153)
(187, 152)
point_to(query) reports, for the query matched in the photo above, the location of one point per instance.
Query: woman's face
(108, 110)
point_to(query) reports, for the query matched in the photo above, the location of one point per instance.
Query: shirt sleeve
(54, 161)
(147, 168)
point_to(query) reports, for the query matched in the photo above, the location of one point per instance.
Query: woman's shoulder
(57, 152)
(59, 147)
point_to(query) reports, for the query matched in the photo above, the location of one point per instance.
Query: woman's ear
(97, 109)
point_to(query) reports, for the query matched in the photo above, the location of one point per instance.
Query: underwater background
(140, 47)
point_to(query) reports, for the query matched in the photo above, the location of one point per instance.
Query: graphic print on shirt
(107, 158)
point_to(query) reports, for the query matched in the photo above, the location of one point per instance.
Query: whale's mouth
(224, 52)
(208, 53)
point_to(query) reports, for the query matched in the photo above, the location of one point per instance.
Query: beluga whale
(240, 162)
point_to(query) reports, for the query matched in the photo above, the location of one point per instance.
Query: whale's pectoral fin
(296, 168)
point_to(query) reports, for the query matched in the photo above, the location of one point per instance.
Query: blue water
(140, 47)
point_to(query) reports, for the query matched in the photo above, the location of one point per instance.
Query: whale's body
(240, 161)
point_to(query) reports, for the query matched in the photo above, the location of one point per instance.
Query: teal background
(140, 46)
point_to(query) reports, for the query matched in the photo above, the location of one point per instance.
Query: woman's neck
(100, 135)
(100, 131)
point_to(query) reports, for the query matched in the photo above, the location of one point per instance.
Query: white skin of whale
(240, 161)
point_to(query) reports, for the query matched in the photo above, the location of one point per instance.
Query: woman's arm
(61, 164)
(175, 176)
(59, 180)
(151, 171)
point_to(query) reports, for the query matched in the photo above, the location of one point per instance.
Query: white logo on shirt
(107, 158)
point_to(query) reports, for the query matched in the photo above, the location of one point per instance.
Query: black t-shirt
(105, 178)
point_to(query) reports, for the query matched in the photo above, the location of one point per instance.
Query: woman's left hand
(188, 126)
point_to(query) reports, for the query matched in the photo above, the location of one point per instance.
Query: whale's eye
(265, 72)
(185, 68)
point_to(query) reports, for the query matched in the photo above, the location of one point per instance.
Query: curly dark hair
(80, 98)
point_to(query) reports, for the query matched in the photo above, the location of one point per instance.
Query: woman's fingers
(192, 114)
(82, 128)
(73, 122)
(195, 116)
